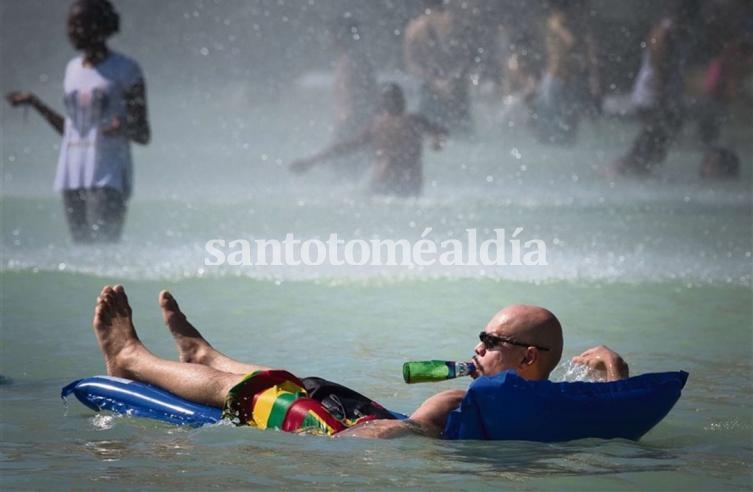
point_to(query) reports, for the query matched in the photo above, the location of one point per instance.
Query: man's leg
(125, 356)
(192, 347)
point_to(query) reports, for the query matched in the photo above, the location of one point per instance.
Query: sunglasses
(491, 341)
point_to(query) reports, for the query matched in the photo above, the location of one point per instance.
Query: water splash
(103, 422)
(577, 372)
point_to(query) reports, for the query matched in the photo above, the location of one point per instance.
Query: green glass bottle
(424, 371)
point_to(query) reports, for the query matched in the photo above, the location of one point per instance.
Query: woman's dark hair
(102, 11)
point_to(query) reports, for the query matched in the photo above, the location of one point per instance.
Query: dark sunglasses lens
(489, 341)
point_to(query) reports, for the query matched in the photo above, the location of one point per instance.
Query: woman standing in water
(105, 108)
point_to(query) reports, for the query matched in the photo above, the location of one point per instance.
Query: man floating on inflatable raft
(518, 349)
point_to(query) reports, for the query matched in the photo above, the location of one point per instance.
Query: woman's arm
(25, 98)
(137, 123)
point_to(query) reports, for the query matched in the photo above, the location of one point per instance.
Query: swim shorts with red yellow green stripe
(276, 399)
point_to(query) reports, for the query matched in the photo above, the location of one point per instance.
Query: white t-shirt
(92, 97)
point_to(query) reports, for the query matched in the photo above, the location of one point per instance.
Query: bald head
(533, 325)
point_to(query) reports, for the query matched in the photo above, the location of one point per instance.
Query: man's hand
(604, 359)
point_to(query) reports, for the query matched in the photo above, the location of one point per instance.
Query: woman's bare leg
(192, 347)
(125, 356)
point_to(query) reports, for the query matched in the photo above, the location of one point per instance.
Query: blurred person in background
(356, 94)
(659, 90)
(436, 52)
(105, 109)
(396, 139)
(570, 85)
(722, 85)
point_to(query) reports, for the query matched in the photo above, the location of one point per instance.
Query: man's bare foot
(192, 347)
(114, 330)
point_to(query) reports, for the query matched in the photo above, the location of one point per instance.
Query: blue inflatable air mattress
(502, 407)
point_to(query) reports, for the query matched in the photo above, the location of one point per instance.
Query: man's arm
(24, 98)
(383, 429)
(335, 150)
(431, 416)
(428, 420)
(658, 46)
(557, 25)
(438, 132)
(414, 52)
(606, 360)
(594, 77)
